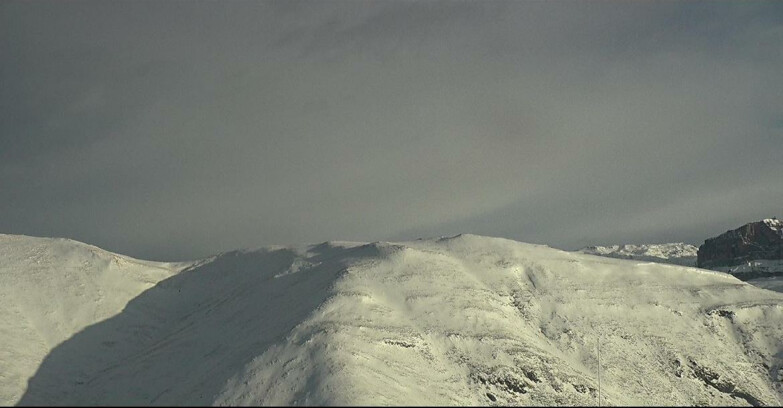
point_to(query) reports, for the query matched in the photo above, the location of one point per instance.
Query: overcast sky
(174, 130)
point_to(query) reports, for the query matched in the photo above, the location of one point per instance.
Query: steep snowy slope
(462, 320)
(52, 288)
(673, 253)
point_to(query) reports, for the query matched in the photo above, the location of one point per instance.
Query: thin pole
(599, 370)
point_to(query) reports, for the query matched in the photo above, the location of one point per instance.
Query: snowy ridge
(466, 320)
(677, 253)
(50, 289)
(774, 223)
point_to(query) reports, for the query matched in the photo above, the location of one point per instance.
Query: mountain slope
(463, 320)
(52, 288)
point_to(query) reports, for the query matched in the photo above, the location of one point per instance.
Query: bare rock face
(753, 241)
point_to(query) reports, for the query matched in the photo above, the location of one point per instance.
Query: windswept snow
(685, 254)
(772, 283)
(675, 253)
(753, 266)
(463, 320)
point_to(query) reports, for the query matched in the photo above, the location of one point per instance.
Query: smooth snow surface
(467, 320)
(52, 288)
(674, 253)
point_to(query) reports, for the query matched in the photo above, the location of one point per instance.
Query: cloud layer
(173, 131)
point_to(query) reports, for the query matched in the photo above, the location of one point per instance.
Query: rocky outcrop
(750, 242)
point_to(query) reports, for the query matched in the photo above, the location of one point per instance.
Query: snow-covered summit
(466, 320)
(774, 223)
(676, 253)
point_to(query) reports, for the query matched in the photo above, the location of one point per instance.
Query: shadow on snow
(181, 340)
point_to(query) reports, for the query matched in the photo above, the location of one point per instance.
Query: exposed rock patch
(753, 241)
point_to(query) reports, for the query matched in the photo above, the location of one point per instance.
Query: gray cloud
(176, 130)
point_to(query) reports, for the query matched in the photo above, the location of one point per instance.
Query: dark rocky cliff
(756, 240)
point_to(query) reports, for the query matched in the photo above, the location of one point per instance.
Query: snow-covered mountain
(774, 223)
(50, 289)
(674, 253)
(462, 320)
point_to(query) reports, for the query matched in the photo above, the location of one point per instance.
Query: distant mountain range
(752, 252)
(674, 253)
